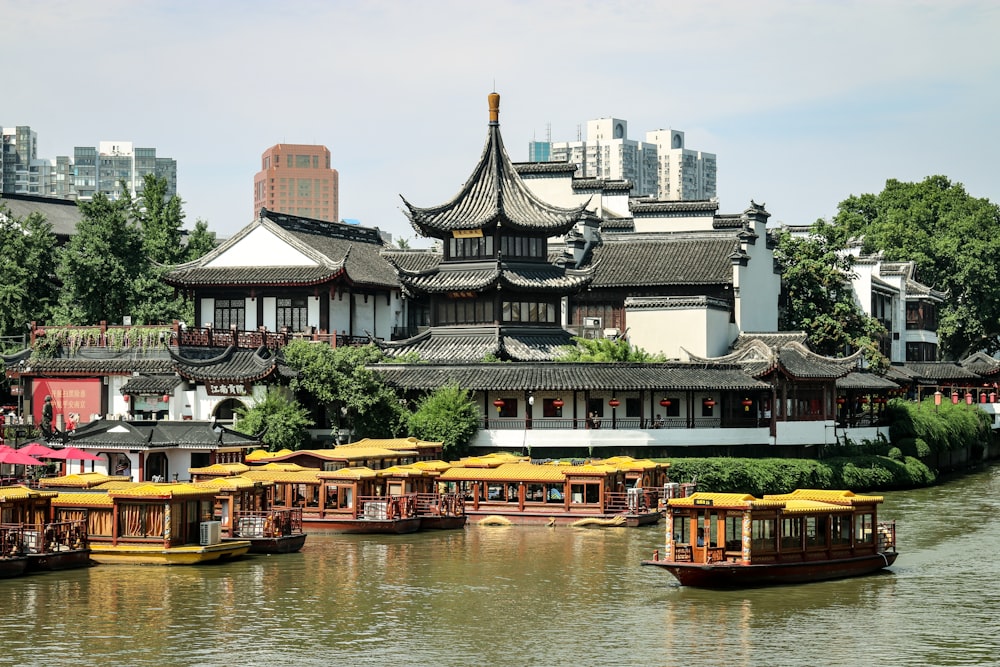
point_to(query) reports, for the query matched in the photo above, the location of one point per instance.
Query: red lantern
(709, 402)
(499, 404)
(558, 403)
(863, 400)
(127, 398)
(841, 400)
(166, 398)
(746, 403)
(954, 398)
(614, 402)
(665, 402)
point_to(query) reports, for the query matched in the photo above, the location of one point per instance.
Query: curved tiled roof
(494, 195)
(569, 377)
(641, 207)
(865, 381)
(759, 358)
(118, 435)
(544, 167)
(982, 364)
(473, 344)
(665, 259)
(231, 363)
(535, 277)
(151, 384)
(125, 364)
(338, 250)
(935, 371)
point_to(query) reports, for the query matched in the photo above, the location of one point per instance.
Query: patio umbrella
(36, 449)
(73, 454)
(16, 458)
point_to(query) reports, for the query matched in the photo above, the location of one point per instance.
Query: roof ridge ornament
(494, 99)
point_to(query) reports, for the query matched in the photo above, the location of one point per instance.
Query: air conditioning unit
(594, 322)
(612, 333)
(211, 533)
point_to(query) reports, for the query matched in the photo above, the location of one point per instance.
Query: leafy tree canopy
(817, 297)
(282, 420)
(606, 350)
(952, 239)
(27, 272)
(447, 415)
(337, 378)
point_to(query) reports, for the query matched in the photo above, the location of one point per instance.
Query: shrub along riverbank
(920, 435)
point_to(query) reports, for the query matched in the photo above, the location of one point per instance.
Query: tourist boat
(732, 540)
(348, 500)
(241, 508)
(437, 510)
(150, 524)
(582, 493)
(27, 532)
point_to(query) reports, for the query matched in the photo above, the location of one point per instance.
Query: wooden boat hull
(363, 526)
(435, 522)
(189, 554)
(283, 544)
(563, 519)
(13, 567)
(737, 575)
(59, 560)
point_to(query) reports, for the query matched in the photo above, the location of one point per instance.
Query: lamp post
(937, 400)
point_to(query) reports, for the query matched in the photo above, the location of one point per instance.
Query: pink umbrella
(73, 454)
(15, 458)
(36, 449)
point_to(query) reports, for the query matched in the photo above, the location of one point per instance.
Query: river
(525, 596)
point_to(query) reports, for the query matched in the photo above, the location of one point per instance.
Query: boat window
(863, 533)
(512, 493)
(331, 497)
(815, 531)
(553, 493)
(494, 491)
(763, 535)
(713, 530)
(682, 529)
(346, 498)
(535, 493)
(585, 493)
(841, 525)
(791, 533)
(280, 495)
(734, 532)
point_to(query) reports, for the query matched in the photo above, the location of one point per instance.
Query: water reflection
(524, 596)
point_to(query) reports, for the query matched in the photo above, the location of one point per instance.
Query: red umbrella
(36, 449)
(15, 458)
(73, 454)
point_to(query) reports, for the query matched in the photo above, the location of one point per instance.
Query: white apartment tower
(681, 173)
(660, 166)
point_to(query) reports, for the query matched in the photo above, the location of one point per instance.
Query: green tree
(352, 395)
(953, 240)
(606, 350)
(199, 242)
(283, 422)
(27, 269)
(100, 263)
(447, 415)
(817, 296)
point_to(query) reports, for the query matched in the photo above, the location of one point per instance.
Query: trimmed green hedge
(763, 476)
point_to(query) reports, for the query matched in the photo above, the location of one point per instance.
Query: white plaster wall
(250, 313)
(261, 248)
(669, 331)
(312, 311)
(759, 289)
(207, 312)
(687, 223)
(270, 313)
(340, 313)
(364, 314)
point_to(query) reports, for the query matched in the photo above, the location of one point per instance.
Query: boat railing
(268, 523)
(440, 504)
(886, 536)
(381, 508)
(631, 501)
(27, 538)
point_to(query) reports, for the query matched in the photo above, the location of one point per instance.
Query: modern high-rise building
(298, 179)
(91, 169)
(660, 166)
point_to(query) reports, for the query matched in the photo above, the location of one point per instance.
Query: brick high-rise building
(297, 179)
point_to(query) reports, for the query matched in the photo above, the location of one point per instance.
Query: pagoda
(494, 291)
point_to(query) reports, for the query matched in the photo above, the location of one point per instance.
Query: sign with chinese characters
(466, 233)
(227, 388)
(69, 397)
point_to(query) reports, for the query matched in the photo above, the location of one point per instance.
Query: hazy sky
(804, 103)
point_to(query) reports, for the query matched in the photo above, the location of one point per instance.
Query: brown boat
(732, 540)
(27, 531)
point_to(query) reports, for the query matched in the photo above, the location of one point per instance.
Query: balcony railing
(622, 423)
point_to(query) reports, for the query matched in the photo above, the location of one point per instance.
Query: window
(763, 535)
(230, 312)
(791, 534)
(841, 526)
(863, 529)
(682, 532)
(550, 409)
(816, 531)
(509, 407)
(734, 532)
(293, 314)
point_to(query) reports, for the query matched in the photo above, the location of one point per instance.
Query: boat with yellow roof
(149, 523)
(733, 540)
(30, 541)
(624, 491)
